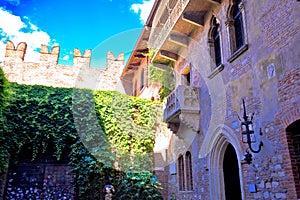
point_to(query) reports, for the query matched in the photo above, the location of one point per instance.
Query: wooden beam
(169, 55)
(161, 66)
(135, 64)
(179, 39)
(139, 55)
(146, 50)
(215, 1)
(194, 17)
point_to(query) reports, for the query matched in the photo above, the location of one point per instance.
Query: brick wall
(266, 75)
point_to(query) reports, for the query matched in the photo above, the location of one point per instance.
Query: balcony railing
(182, 106)
(165, 19)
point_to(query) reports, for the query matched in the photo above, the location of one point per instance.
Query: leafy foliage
(4, 90)
(139, 185)
(129, 124)
(4, 95)
(165, 78)
(101, 129)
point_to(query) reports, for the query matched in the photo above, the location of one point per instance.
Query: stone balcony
(167, 16)
(182, 106)
(175, 20)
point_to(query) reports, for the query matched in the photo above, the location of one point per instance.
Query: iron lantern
(248, 135)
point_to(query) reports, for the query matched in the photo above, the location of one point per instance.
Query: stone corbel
(191, 120)
(173, 127)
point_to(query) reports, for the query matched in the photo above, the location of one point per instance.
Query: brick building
(223, 52)
(220, 52)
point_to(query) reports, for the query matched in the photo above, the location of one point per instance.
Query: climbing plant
(4, 90)
(163, 76)
(4, 95)
(139, 185)
(106, 131)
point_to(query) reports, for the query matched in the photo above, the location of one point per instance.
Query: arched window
(236, 27)
(181, 173)
(214, 41)
(189, 171)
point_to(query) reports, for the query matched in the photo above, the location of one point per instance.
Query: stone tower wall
(49, 73)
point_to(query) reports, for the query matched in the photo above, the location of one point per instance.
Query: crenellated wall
(49, 73)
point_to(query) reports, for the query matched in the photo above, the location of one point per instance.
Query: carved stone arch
(236, 29)
(230, 8)
(222, 137)
(231, 137)
(212, 27)
(215, 45)
(211, 139)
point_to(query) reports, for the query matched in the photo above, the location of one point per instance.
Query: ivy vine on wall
(163, 76)
(107, 132)
(4, 95)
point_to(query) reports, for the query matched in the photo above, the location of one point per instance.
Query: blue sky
(100, 25)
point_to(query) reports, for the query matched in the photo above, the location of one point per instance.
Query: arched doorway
(225, 151)
(231, 174)
(293, 135)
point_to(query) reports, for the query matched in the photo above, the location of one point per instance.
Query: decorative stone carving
(182, 106)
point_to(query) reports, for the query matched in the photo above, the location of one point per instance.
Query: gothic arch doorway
(224, 162)
(293, 135)
(231, 174)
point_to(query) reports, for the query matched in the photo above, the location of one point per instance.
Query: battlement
(46, 56)
(110, 57)
(47, 71)
(15, 53)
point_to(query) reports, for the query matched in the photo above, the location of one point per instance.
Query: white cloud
(11, 27)
(66, 57)
(143, 9)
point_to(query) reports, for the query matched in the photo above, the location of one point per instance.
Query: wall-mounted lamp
(248, 135)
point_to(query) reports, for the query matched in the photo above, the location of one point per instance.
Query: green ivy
(4, 95)
(139, 185)
(102, 129)
(4, 90)
(165, 78)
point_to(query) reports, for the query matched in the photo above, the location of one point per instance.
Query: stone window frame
(189, 171)
(181, 174)
(234, 51)
(215, 26)
(185, 172)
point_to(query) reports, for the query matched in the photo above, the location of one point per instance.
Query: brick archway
(293, 138)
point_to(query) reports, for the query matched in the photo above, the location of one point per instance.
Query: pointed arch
(218, 143)
(181, 174)
(214, 41)
(236, 28)
(293, 138)
(189, 171)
